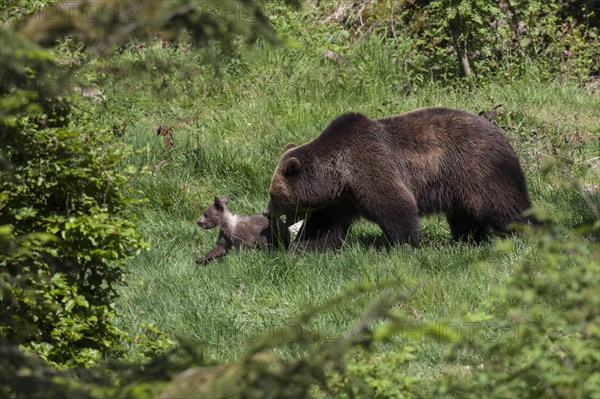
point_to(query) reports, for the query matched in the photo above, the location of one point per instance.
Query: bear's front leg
(401, 225)
(324, 229)
(395, 210)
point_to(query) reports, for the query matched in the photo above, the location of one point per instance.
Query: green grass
(229, 132)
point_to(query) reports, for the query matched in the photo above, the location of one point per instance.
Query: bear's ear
(292, 167)
(289, 146)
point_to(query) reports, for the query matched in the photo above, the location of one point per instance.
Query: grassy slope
(229, 134)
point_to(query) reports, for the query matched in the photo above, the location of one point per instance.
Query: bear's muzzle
(272, 212)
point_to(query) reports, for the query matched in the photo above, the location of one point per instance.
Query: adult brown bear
(392, 170)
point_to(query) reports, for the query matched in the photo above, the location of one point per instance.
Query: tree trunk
(461, 51)
(515, 25)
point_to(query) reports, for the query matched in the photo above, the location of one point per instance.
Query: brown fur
(240, 231)
(391, 170)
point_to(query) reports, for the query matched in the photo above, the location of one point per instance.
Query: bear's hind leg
(465, 227)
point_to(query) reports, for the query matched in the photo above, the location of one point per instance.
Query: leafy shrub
(375, 375)
(486, 37)
(61, 185)
(20, 8)
(65, 217)
(546, 326)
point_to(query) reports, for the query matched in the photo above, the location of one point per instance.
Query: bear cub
(392, 170)
(240, 231)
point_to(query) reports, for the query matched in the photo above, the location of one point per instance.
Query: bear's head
(213, 216)
(305, 180)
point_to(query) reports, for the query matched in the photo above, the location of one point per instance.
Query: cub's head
(303, 181)
(213, 216)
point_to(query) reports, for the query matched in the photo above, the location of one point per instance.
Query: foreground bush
(65, 216)
(542, 339)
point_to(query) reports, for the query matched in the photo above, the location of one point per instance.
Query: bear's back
(449, 155)
(414, 131)
(441, 127)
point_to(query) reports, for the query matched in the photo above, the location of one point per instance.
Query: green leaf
(81, 301)
(69, 304)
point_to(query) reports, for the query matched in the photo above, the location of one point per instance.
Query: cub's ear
(221, 202)
(292, 167)
(289, 146)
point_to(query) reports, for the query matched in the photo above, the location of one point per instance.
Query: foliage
(376, 375)
(104, 24)
(26, 375)
(259, 373)
(546, 327)
(65, 216)
(466, 22)
(487, 37)
(21, 8)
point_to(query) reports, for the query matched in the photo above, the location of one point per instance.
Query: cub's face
(301, 184)
(214, 214)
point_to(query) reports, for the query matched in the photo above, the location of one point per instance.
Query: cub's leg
(220, 249)
(214, 253)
